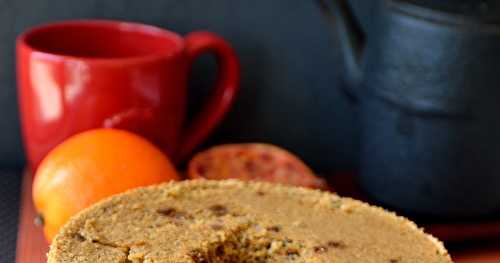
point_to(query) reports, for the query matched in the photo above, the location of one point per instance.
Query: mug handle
(221, 99)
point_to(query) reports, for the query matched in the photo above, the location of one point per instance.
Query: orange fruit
(253, 161)
(91, 166)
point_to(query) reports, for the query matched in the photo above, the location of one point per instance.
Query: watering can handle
(351, 38)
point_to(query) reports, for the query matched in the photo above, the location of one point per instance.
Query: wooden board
(32, 247)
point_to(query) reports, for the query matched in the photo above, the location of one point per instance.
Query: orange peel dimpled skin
(91, 166)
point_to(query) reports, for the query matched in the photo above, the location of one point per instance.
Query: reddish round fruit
(253, 161)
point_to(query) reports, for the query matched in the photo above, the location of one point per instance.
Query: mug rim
(119, 25)
(441, 17)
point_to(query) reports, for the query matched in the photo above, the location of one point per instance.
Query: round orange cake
(233, 221)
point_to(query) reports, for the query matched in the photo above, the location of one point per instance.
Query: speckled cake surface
(233, 221)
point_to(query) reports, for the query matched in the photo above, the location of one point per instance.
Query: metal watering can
(426, 77)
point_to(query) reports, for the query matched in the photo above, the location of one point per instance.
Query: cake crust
(233, 221)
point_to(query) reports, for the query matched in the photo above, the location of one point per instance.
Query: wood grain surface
(32, 247)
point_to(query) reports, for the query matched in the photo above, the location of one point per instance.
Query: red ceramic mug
(84, 74)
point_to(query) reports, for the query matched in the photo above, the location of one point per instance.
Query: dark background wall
(289, 94)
